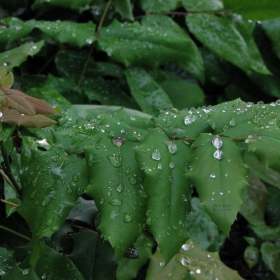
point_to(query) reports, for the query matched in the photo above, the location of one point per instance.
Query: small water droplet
(142, 193)
(101, 201)
(50, 221)
(189, 119)
(217, 142)
(172, 147)
(115, 202)
(119, 188)
(186, 247)
(162, 264)
(132, 180)
(159, 166)
(171, 165)
(114, 159)
(198, 271)
(75, 178)
(127, 217)
(109, 193)
(232, 122)
(218, 154)
(221, 193)
(213, 175)
(156, 154)
(118, 141)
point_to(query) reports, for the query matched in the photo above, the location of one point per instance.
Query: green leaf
(230, 38)
(271, 255)
(50, 193)
(16, 56)
(18, 273)
(256, 10)
(202, 6)
(123, 7)
(156, 41)
(271, 28)
(73, 33)
(6, 266)
(256, 196)
(6, 80)
(251, 256)
(119, 195)
(128, 268)
(13, 29)
(168, 192)
(52, 264)
(273, 207)
(156, 7)
(266, 232)
(148, 94)
(74, 4)
(183, 94)
(221, 182)
(202, 230)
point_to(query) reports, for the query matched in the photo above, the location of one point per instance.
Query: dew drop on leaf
(132, 180)
(127, 171)
(109, 193)
(232, 122)
(217, 143)
(218, 154)
(213, 175)
(172, 147)
(119, 188)
(75, 178)
(118, 141)
(156, 154)
(115, 202)
(190, 119)
(162, 264)
(127, 217)
(50, 221)
(114, 159)
(114, 214)
(101, 201)
(159, 166)
(142, 194)
(171, 165)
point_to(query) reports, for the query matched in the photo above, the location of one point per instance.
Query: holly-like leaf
(16, 56)
(230, 38)
(147, 44)
(119, 195)
(168, 192)
(48, 194)
(221, 181)
(6, 80)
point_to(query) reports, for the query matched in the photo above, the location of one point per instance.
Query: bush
(111, 181)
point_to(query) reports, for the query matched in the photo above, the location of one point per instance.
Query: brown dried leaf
(12, 116)
(38, 106)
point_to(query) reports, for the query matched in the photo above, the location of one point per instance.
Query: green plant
(90, 173)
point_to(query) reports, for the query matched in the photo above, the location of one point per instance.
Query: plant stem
(8, 202)
(102, 18)
(85, 67)
(16, 233)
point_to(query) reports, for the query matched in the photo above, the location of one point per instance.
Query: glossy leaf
(75, 5)
(148, 94)
(271, 27)
(119, 196)
(168, 192)
(8, 264)
(18, 273)
(53, 191)
(153, 5)
(265, 232)
(230, 38)
(222, 180)
(123, 7)
(203, 6)
(157, 40)
(16, 56)
(251, 9)
(271, 255)
(202, 230)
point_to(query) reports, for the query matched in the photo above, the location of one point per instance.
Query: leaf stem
(15, 232)
(102, 18)
(8, 202)
(85, 67)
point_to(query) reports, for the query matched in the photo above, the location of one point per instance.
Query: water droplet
(55, 228)
(218, 154)
(186, 247)
(114, 159)
(162, 263)
(101, 201)
(119, 188)
(172, 147)
(118, 141)
(115, 202)
(109, 193)
(221, 193)
(213, 175)
(198, 271)
(246, 166)
(132, 180)
(114, 214)
(217, 143)
(171, 165)
(75, 178)
(127, 217)
(232, 122)
(189, 119)
(50, 221)
(142, 193)
(159, 166)
(156, 154)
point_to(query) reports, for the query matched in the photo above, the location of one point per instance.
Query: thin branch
(102, 18)
(16, 233)
(8, 202)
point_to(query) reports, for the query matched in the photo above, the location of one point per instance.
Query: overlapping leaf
(168, 192)
(153, 5)
(119, 195)
(221, 181)
(229, 38)
(156, 41)
(271, 28)
(270, 255)
(75, 5)
(203, 6)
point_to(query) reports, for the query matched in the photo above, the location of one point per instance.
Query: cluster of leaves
(129, 177)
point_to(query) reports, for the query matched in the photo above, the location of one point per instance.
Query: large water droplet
(217, 142)
(119, 188)
(127, 217)
(114, 214)
(218, 154)
(232, 122)
(115, 202)
(190, 119)
(118, 141)
(172, 147)
(156, 154)
(114, 159)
